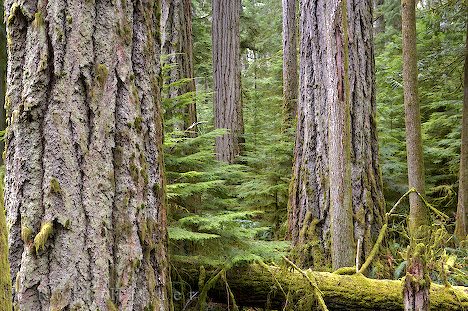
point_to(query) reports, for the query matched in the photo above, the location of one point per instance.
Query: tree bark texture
(3, 65)
(461, 224)
(226, 77)
(177, 51)
(84, 178)
(290, 73)
(416, 289)
(322, 83)
(255, 286)
(5, 279)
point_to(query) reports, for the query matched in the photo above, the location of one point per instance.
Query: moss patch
(41, 238)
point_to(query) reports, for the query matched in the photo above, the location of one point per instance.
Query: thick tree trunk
(255, 286)
(84, 179)
(290, 74)
(310, 192)
(226, 77)
(461, 224)
(3, 66)
(177, 50)
(416, 290)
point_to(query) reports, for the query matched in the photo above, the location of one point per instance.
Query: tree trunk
(5, 280)
(416, 290)
(461, 224)
(3, 66)
(310, 192)
(255, 286)
(290, 74)
(84, 182)
(177, 50)
(379, 18)
(226, 77)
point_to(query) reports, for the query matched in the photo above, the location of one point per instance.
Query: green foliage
(441, 38)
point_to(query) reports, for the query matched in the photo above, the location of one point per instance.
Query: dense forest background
(255, 190)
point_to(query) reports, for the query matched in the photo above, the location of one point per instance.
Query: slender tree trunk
(461, 224)
(322, 86)
(226, 77)
(177, 49)
(379, 18)
(290, 74)
(84, 179)
(416, 289)
(5, 280)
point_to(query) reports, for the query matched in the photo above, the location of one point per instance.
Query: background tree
(226, 77)
(416, 290)
(177, 52)
(461, 224)
(84, 189)
(5, 281)
(309, 205)
(290, 72)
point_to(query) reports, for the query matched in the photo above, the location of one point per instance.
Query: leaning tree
(84, 190)
(336, 188)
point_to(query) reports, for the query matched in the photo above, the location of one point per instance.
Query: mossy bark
(310, 190)
(84, 153)
(273, 288)
(5, 280)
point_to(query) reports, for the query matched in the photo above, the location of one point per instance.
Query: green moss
(41, 238)
(134, 172)
(101, 74)
(26, 234)
(111, 306)
(69, 19)
(156, 188)
(38, 20)
(5, 280)
(55, 186)
(137, 122)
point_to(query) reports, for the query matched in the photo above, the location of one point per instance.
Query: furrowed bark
(84, 183)
(177, 51)
(255, 286)
(309, 204)
(226, 77)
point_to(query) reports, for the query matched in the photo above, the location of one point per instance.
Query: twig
(313, 283)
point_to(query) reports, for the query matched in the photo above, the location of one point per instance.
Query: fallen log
(262, 286)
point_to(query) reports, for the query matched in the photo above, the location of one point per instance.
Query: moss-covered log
(257, 286)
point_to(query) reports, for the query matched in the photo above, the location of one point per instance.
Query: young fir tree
(416, 288)
(177, 52)
(323, 83)
(84, 183)
(226, 77)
